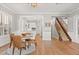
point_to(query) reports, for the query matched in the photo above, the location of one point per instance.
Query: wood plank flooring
(53, 47)
(56, 47)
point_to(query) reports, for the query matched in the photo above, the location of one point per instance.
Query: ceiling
(26, 8)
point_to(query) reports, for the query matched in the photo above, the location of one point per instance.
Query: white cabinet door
(46, 35)
(5, 39)
(46, 28)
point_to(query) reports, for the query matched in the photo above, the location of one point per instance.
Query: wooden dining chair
(17, 43)
(35, 41)
(26, 40)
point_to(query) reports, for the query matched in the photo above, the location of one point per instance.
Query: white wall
(40, 20)
(73, 27)
(15, 25)
(46, 30)
(53, 28)
(74, 19)
(6, 14)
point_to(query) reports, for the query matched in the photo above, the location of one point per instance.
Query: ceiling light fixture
(58, 3)
(34, 5)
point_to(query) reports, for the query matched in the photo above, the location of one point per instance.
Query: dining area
(23, 44)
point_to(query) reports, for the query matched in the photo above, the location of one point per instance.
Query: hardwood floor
(4, 48)
(53, 47)
(56, 47)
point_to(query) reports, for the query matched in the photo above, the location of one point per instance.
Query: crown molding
(74, 11)
(6, 9)
(12, 11)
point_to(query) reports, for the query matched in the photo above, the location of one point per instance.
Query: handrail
(58, 30)
(64, 29)
(63, 23)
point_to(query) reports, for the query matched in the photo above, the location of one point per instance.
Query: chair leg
(25, 42)
(35, 44)
(28, 44)
(60, 38)
(20, 50)
(10, 44)
(13, 50)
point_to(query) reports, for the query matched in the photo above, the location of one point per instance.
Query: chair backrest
(17, 42)
(24, 34)
(37, 37)
(11, 36)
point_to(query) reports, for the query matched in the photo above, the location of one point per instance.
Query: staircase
(62, 29)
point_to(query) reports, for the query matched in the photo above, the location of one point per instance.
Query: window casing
(5, 23)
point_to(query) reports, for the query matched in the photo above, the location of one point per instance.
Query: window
(65, 19)
(5, 21)
(5, 18)
(0, 18)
